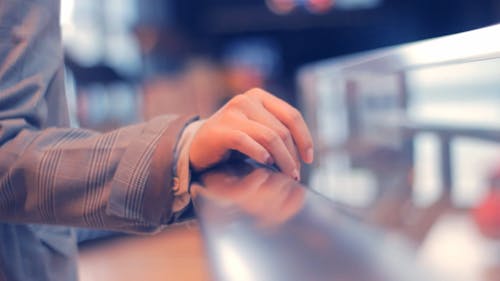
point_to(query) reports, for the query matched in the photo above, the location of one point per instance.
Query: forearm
(118, 180)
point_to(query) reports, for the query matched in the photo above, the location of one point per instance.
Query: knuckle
(237, 140)
(238, 101)
(230, 115)
(271, 138)
(294, 115)
(254, 91)
(283, 134)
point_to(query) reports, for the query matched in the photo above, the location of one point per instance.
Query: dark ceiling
(303, 37)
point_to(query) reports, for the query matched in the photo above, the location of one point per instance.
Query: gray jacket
(52, 174)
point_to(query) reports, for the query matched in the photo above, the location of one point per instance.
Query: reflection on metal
(464, 47)
(261, 225)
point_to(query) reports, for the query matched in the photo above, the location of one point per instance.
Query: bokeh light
(281, 7)
(319, 6)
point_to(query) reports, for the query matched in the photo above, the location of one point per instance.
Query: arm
(123, 179)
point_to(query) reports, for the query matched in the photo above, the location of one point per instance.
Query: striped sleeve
(120, 180)
(50, 174)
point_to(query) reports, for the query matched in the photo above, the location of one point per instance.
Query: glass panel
(473, 162)
(428, 182)
(456, 95)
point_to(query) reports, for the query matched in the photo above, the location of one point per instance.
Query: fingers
(291, 118)
(256, 112)
(243, 142)
(274, 145)
(259, 125)
(213, 142)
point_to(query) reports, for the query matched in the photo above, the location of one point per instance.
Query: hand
(259, 125)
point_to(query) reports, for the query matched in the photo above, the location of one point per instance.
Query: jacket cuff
(160, 189)
(142, 186)
(182, 173)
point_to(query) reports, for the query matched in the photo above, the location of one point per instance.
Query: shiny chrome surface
(261, 225)
(463, 47)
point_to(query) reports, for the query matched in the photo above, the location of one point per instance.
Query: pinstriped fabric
(47, 168)
(96, 178)
(134, 198)
(44, 180)
(7, 195)
(81, 177)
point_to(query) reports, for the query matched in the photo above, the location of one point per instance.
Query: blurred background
(125, 58)
(130, 60)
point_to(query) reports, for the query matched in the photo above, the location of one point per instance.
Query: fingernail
(310, 155)
(269, 160)
(296, 175)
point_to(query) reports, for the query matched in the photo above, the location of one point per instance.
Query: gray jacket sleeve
(52, 174)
